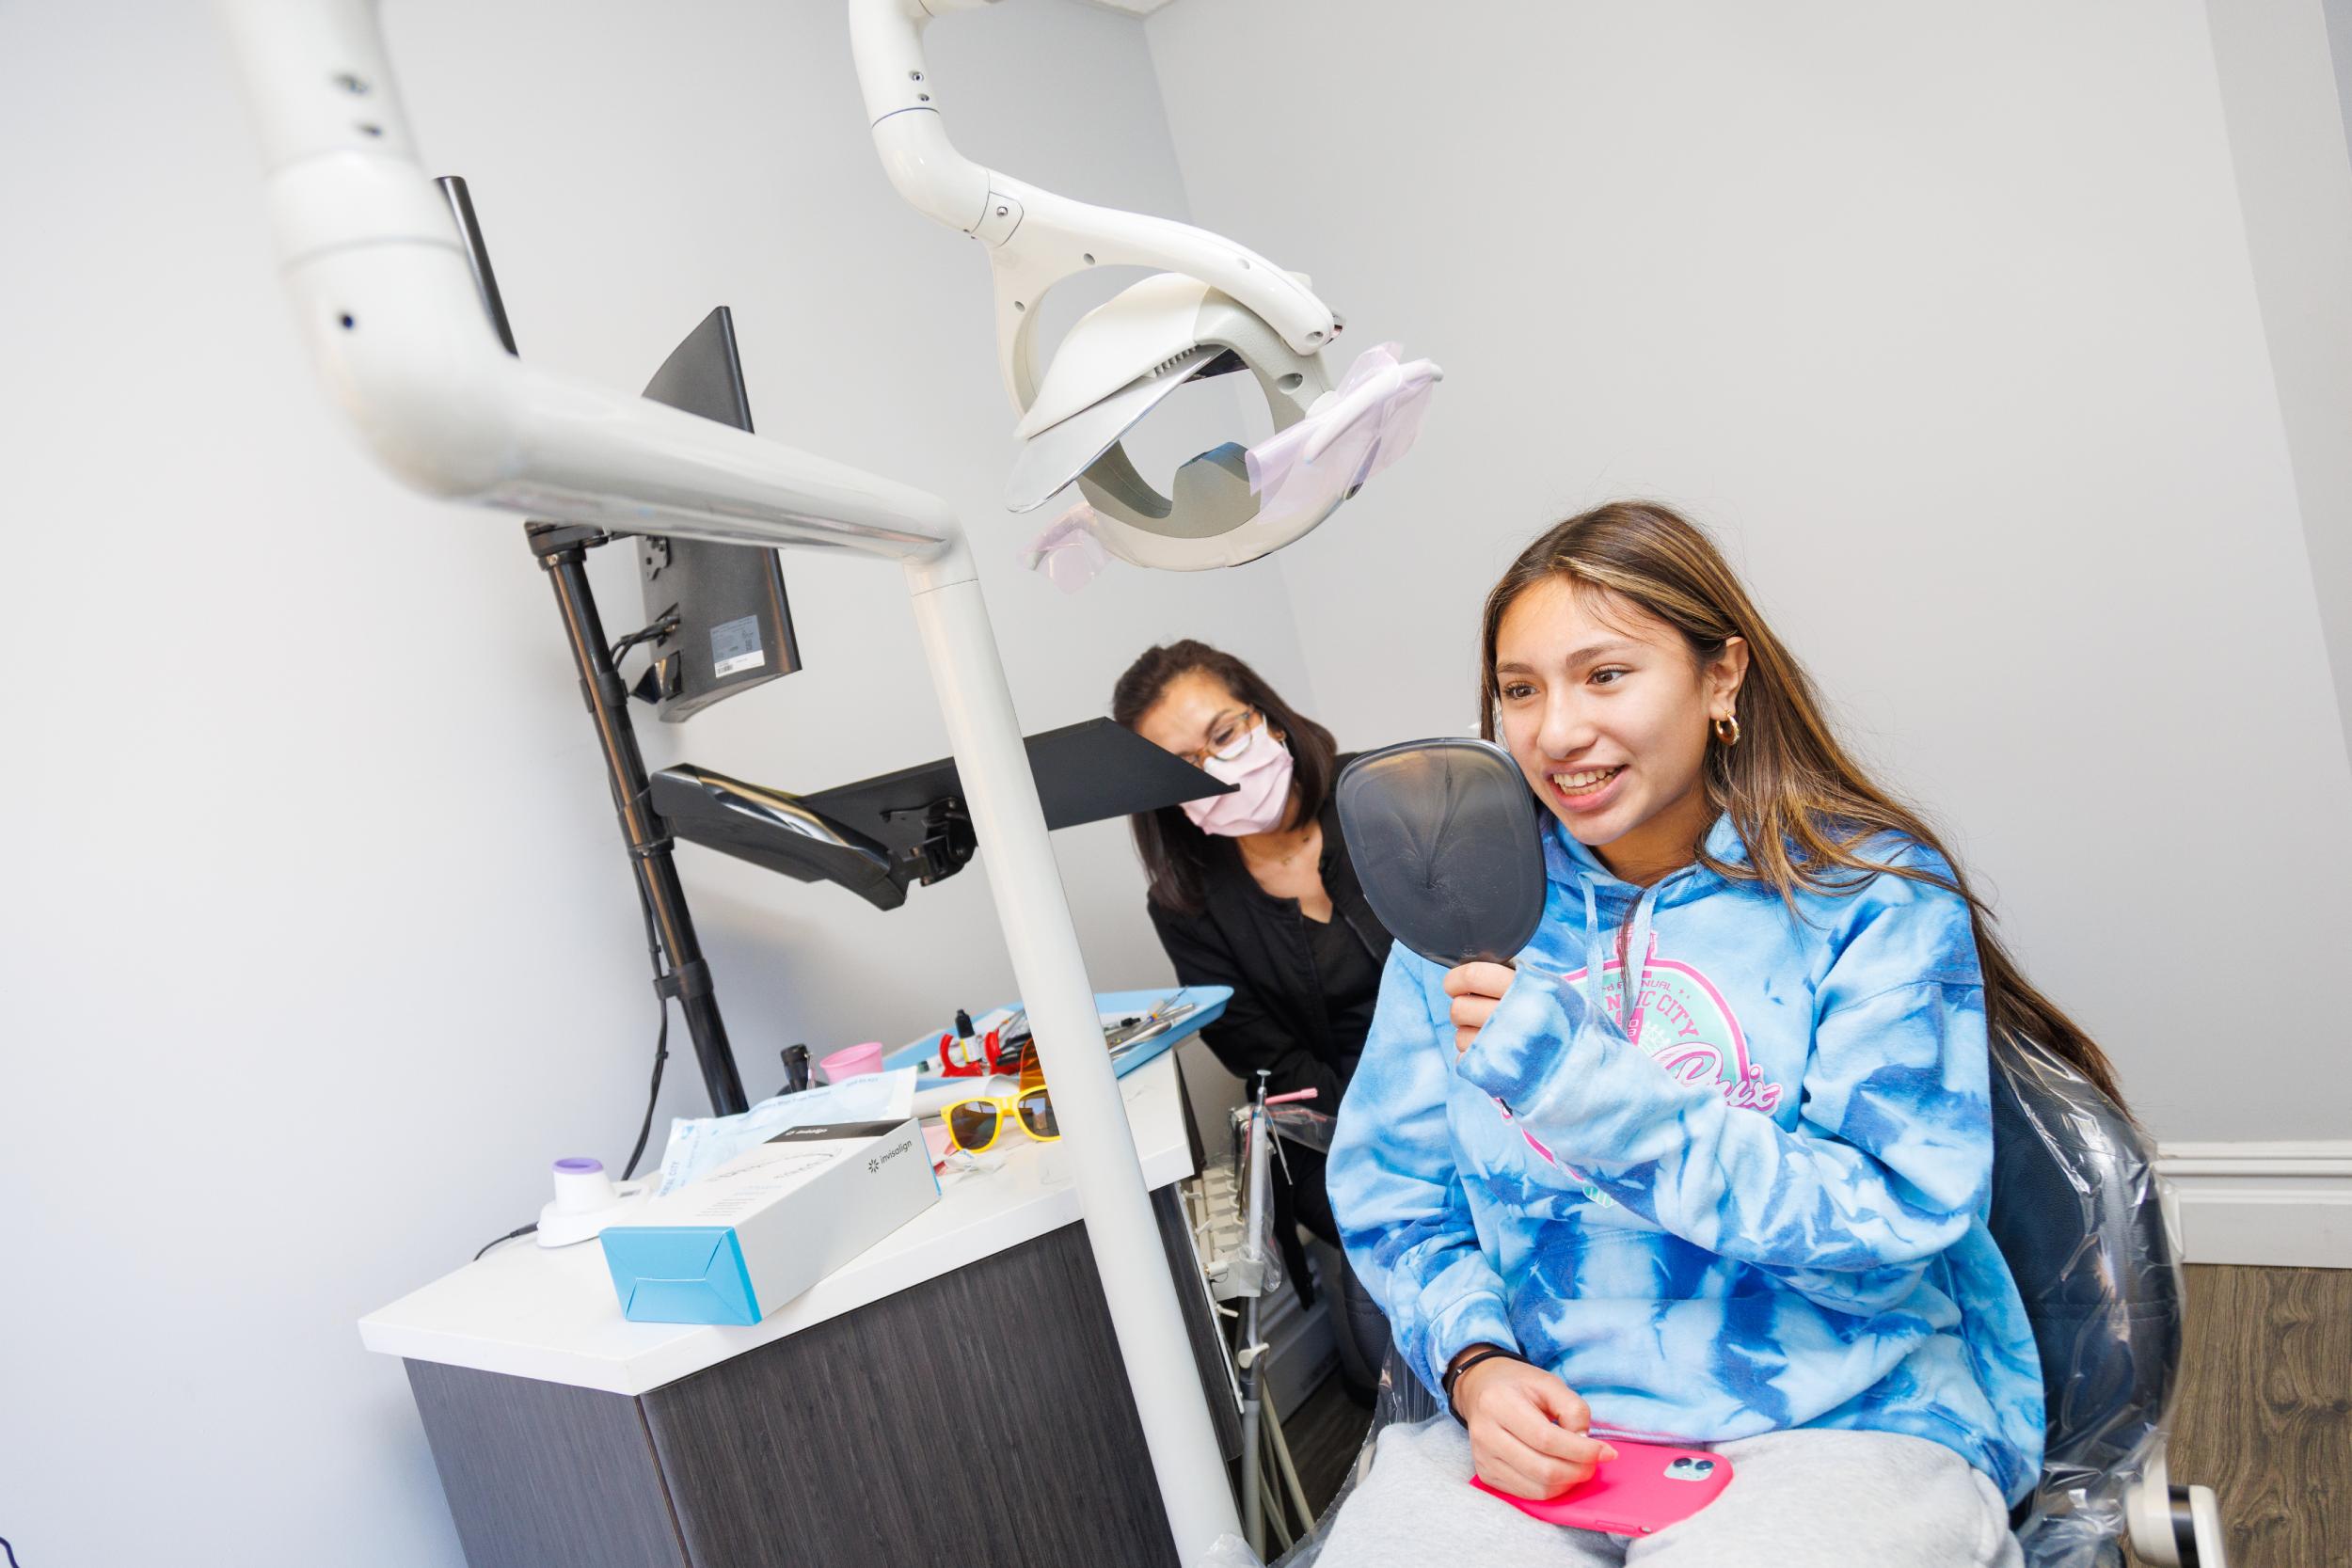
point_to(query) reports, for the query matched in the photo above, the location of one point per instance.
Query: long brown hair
(1801, 805)
(1175, 853)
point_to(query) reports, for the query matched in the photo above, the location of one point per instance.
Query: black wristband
(1454, 1374)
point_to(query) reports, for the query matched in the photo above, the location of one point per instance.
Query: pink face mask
(1262, 773)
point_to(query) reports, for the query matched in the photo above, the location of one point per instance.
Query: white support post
(1096, 1141)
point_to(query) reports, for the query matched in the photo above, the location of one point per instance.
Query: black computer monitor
(734, 627)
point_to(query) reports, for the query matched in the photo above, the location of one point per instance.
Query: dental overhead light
(1214, 309)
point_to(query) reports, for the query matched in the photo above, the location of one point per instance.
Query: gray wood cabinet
(980, 1420)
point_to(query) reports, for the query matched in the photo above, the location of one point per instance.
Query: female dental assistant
(1253, 889)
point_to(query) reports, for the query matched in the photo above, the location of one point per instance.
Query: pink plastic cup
(855, 1062)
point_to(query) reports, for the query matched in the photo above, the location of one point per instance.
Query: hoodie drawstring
(1635, 975)
(1596, 948)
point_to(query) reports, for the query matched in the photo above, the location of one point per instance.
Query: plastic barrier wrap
(1297, 1124)
(2077, 1211)
(1349, 435)
(1067, 550)
(1218, 1207)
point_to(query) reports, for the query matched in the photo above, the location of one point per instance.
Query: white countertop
(550, 1312)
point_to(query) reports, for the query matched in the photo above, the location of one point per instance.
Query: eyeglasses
(974, 1125)
(1232, 749)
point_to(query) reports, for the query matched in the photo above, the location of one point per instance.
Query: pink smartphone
(1645, 1488)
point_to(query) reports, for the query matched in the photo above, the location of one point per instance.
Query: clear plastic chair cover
(2078, 1212)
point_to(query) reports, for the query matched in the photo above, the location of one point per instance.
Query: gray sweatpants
(1797, 1500)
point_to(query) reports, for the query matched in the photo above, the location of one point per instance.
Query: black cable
(519, 1230)
(660, 1054)
(10, 1550)
(653, 633)
(644, 1130)
(662, 1041)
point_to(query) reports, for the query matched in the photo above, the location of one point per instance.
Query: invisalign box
(742, 1240)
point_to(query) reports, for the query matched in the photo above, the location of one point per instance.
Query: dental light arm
(1035, 238)
(389, 313)
(1213, 308)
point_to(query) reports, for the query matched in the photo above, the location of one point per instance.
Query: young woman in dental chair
(1712, 1167)
(1253, 889)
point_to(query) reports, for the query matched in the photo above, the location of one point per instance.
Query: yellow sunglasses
(974, 1125)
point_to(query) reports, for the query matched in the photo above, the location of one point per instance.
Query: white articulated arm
(1211, 308)
(389, 311)
(391, 314)
(1035, 238)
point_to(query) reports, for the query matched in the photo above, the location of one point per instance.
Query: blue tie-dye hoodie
(1758, 1204)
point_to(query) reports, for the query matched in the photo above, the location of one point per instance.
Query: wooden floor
(2263, 1417)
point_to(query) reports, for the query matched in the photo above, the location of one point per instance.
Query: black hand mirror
(1443, 837)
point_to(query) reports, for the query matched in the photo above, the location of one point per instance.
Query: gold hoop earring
(1727, 728)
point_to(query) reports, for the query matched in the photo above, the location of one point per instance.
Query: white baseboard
(2279, 1205)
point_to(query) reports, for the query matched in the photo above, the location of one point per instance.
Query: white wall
(2279, 94)
(1943, 318)
(2338, 21)
(318, 941)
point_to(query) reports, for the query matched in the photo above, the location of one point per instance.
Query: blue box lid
(680, 1273)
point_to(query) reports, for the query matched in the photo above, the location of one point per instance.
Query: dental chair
(2078, 1212)
(2078, 1209)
